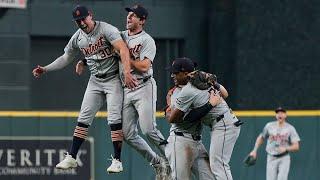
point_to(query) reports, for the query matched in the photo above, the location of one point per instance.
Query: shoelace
(66, 154)
(112, 158)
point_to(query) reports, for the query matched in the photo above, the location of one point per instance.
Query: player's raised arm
(122, 48)
(57, 64)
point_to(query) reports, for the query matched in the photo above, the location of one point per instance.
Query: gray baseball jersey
(184, 126)
(279, 136)
(102, 60)
(141, 46)
(97, 48)
(187, 156)
(278, 165)
(191, 98)
(224, 133)
(140, 103)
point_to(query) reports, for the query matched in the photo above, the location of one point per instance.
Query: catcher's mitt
(202, 80)
(250, 160)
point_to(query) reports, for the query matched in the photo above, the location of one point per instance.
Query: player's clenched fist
(38, 71)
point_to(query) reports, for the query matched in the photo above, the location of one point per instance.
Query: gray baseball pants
(97, 93)
(186, 157)
(278, 167)
(139, 107)
(223, 138)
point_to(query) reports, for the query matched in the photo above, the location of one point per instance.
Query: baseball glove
(202, 80)
(167, 109)
(249, 160)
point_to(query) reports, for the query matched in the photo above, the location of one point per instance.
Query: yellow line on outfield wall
(290, 113)
(251, 113)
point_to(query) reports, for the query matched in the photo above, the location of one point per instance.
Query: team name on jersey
(135, 51)
(279, 137)
(93, 48)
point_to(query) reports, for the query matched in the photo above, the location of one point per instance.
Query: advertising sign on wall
(30, 158)
(21, 4)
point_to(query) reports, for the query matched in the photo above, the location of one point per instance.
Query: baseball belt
(280, 155)
(194, 137)
(105, 75)
(237, 123)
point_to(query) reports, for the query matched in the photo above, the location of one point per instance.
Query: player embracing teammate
(193, 103)
(97, 42)
(139, 103)
(107, 57)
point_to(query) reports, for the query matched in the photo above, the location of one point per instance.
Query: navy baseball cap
(80, 12)
(182, 65)
(280, 109)
(140, 11)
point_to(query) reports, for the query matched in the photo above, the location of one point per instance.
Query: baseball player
(282, 139)
(185, 151)
(225, 126)
(98, 42)
(139, 105)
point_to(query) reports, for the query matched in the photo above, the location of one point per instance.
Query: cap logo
(135, 6)
(77, 13)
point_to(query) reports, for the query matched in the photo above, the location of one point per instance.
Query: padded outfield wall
(33, 141)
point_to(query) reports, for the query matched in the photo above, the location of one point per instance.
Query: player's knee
(147, 132)
(85, 121)
(218, 166)
(128, 135)
(125, 134)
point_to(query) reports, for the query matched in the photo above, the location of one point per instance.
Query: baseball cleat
(115, 167)
(158, 171)
(163, 170)
(67, 163)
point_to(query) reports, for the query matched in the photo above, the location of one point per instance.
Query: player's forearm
(125, 60)
(223, 92)
(293, 148)
(141, 66)
(59, 63)
(198, 113)
(175, 116)
(167, 113)
(258, 143)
